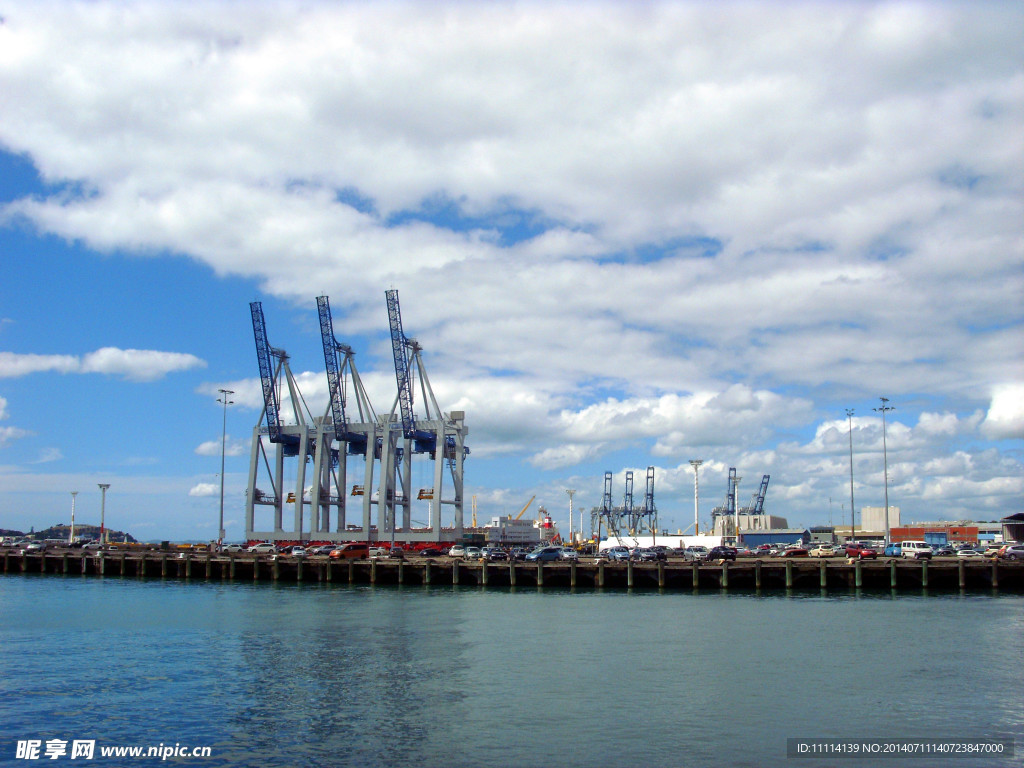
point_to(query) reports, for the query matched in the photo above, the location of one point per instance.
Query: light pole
(885, 461)
(695, 463)
(849, 418)
(71, 536)
(570, 492)
(736, 504)
(223, 441)
(103, 512)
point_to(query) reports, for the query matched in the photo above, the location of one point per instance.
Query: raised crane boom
(759, 503)
(264, 351)
(398, 344)
(331, 362)
(424, 441)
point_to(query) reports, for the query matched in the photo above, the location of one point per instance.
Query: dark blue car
(543, 554)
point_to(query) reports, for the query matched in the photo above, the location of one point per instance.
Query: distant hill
(60, 531)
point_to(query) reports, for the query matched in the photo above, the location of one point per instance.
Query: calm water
(334, 675)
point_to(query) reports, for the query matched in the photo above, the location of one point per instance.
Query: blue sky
(626, 236)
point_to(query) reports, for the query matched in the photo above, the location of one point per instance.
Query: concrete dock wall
(742, 575)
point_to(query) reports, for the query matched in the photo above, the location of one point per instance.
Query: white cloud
(50, 454)
(138, 364)
(130, 364)
(680, 226)
(13, 365)
(1005, 417)
(204, 489)
(7, 434)
(231, 447)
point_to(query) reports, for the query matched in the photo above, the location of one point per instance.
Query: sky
(625, 235)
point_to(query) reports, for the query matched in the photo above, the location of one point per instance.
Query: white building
(725, 524)
(873, 518)
(508, 530)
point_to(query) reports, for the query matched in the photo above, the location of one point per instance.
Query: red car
(860, 552)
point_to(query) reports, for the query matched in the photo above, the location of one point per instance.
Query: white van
(917, 550)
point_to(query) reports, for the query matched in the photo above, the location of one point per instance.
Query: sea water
(301, 675)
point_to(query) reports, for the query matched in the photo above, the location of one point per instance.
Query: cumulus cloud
(1005, 417)
(690, 225)
(204, 489)
(130, 364)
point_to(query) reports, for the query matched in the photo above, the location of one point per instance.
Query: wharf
(774, 574)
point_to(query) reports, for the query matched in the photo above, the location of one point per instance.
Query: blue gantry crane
(336, 377)
(406, 351)
(269, 376)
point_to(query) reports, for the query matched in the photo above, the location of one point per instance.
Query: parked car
(861, 551)
(696, 552)
(644, 554)
(457, 551)
(297, 552)
(544, 554)
(495, 554)
(233, 548)
(352, 551)
(794, 552)
(617, 553)
(1012, 552)
(472, 553)
(518, 553)
(946, 551)
(968, 554)
(397, 553)
(263, 548)
(428, 552)
(892, 550)
(568, 553)
(720, 553)
(822, 550)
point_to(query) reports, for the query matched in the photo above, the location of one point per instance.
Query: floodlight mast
(695, 463)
